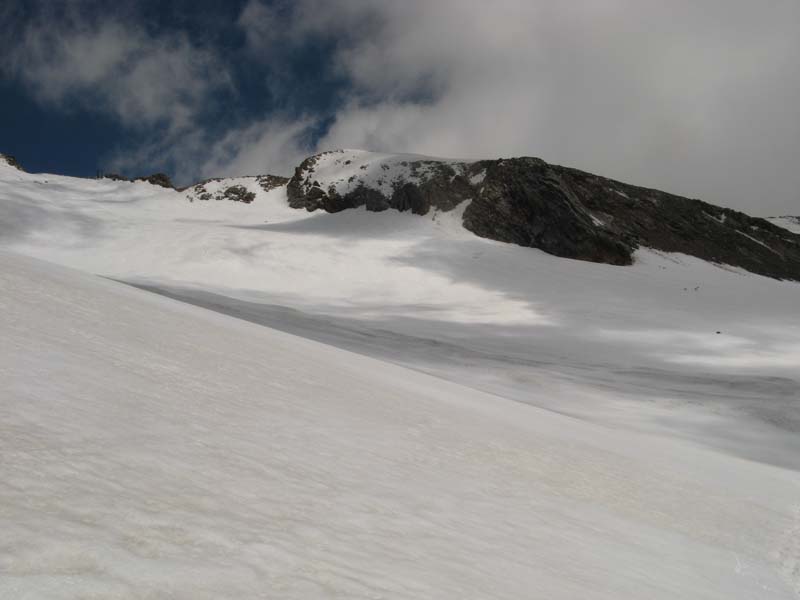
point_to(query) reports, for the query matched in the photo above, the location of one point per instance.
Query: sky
(699, 98)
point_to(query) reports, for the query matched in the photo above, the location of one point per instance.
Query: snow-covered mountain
(482, 419)
(562, 211)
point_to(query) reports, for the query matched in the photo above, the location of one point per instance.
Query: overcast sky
(700, 98)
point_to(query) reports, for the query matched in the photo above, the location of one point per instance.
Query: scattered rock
(237, 193)
(270, 182)
(234, 193)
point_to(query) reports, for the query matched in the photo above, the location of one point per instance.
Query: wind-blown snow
(160, 449)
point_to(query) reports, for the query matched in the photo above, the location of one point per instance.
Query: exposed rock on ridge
(11, 161)
(161, 179)
(270, 182)
(402, 183)
(238, 189)
(236, 193)
(562, 211)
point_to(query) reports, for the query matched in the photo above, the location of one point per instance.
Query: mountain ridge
(560, 210)
(525, 201)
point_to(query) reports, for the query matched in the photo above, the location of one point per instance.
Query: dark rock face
(566, 212)
(270, 182)
(234, 193)
(238, 193)
(522, 201)
(161, 179)
(115, 177)
(645, 217)
(201, 193)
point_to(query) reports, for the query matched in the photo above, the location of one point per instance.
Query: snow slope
(787, 222)
(139, 231)
(628, 346)
(154, 449)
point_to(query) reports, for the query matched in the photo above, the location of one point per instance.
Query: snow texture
(482, 420)
(345, 170)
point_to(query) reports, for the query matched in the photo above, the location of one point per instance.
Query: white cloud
(699, 99)
(117, 67)
(696, 98)
(273, 146)
(270, 146)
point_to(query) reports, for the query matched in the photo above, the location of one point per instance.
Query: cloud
(696, 98)
(274, 145)
(261, 24)
(68, 58)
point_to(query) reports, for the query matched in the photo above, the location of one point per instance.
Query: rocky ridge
(11, 161)
(524, 201)
(562, 211)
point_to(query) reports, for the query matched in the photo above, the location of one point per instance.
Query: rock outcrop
(270, 182)
(525, 201)
(161, 179)
(115, 177)
(234, 193)
(239, 189)
(11, 161)
(559, 210)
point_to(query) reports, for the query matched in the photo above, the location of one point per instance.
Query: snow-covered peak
(12, 171)
(345, 170)
(9, 161)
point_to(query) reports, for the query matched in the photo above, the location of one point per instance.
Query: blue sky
(698, 98)
(76, 133)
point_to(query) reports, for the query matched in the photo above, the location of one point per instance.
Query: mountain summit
(524, 201)
(576, 408)
(563, 211)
